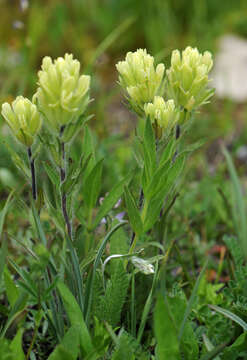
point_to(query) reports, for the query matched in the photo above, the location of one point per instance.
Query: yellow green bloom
(23, 118)
(188, 78)
(62, 93)
(162, 113)
(139, 77)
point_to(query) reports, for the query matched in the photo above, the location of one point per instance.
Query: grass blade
(239, 210)
(230, 315)
(147, 306)
(191, 301)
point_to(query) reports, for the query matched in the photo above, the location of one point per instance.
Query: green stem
(62, 179)
(133, 245)
(31, 162)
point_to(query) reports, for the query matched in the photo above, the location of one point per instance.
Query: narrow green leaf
(191, 301)
(158, 180)
(133, 213)
(209, 346)
(92, 185)
(110, 200)
(168, 152)
(52, 174)
(147, 307)
(74, 177)
(149, 148)
(4, 212)
(239, 209)
(28, 284)
(230, 315)
(78, 280)
(167, 182)
(88, 148)
(213, 353)
(3, 255)
(38, 225)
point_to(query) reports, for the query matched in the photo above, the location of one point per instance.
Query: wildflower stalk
(32, 167)
(62, 179)
(133, 245)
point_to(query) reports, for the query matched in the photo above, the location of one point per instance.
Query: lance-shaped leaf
(133, 212)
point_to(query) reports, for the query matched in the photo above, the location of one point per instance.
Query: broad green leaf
(188, 342)
(110, 200)
(18, 311)
(133, 213)
(60, 353)
(238, 350)
(75, 317)
(124, 349)
(5, 352)
(69, 346)
(165, 332)
(11, 288)
(92, 185)
(16, 346)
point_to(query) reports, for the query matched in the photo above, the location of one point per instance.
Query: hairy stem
(63, 194)
(31, 162)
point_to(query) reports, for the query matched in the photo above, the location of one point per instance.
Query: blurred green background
(99, 33)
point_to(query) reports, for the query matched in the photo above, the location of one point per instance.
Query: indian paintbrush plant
(67, 289)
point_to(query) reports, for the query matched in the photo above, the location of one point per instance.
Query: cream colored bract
(188, 78)
(62, 93)
(23, 118)
(139, 77)
(161, 111)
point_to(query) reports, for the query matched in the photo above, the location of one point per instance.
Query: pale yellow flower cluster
(62, 93)
(161, 111)
(186, 83)
(139, 77)
(23, 118)
(188, 78)
(61, 98)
